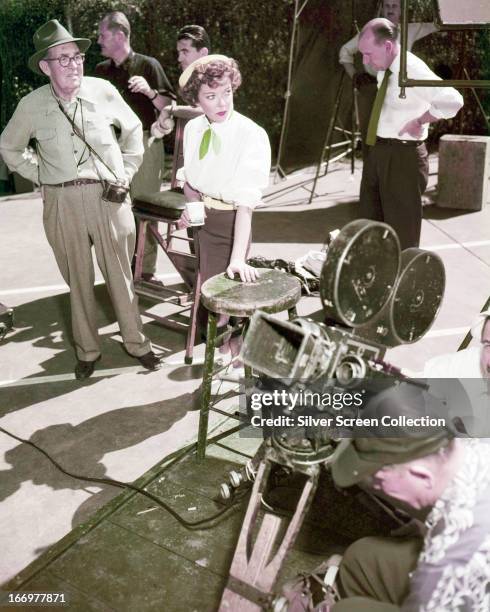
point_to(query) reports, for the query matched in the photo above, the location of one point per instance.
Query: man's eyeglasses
(64, 60)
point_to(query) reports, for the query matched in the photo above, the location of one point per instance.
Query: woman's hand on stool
(246, 272)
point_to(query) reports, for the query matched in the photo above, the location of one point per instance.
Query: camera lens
(349, 370)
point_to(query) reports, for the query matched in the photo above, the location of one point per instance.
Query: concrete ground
(124, 420)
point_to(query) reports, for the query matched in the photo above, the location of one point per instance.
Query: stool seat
(168, 204)
(273, 291)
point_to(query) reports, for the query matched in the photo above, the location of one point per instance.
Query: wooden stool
(273, 292)
(166, 207)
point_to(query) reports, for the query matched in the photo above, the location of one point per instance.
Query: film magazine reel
(374, 297)
(387, 296)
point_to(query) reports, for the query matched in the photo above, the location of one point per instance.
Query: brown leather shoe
(85, 369)
(150, 361)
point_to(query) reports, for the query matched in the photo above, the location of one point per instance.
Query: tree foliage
(256, 34)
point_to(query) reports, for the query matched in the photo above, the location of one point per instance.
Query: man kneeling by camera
(448, 568)
(85, 171)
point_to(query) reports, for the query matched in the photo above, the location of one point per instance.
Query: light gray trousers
(75, 219)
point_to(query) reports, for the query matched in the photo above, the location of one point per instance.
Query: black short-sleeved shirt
(137, 65)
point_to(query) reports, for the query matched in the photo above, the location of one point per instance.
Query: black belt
(396, 141)
(76, 183)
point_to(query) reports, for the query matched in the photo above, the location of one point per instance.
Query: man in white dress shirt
(473, 362)
(467, 365)
(365, 79)
(396, 169)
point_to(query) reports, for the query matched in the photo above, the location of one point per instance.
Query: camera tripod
(259, 556)
(255, 566)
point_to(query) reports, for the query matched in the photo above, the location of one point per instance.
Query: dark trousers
(374, 574)
(365, 100)
(394, 177)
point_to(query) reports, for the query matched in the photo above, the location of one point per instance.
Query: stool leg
(207, 378)
(191, 333)
(140, 249)
(292, 314)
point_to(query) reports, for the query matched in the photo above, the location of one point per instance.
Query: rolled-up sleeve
(131, 136)
(444, 102)
(347, 51)
(252, 174)
(14, 141)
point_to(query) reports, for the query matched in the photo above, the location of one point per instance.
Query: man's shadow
(80, 449)
(46, 324)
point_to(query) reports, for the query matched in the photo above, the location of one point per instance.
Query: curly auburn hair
(211, 74)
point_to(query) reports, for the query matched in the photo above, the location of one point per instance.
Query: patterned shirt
(453, 571)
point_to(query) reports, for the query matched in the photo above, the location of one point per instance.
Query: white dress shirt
(464, 366)
(441, 102)
(238, 172)
(416, 31)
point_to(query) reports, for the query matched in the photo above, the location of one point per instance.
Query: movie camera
(374, 297)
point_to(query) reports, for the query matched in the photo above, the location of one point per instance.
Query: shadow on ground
(80, 449)
(305, 226)
(45, 323)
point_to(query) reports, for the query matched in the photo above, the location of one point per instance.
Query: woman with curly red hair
(227, 160)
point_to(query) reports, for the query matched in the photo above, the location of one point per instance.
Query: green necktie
(376, 112)
(207, 138)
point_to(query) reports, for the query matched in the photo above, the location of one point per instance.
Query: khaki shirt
(39, 117)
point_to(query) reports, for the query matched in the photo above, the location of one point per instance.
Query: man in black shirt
(144, 86)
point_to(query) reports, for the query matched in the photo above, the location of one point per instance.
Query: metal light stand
(351, 143)
(297, 12)
(351, 137)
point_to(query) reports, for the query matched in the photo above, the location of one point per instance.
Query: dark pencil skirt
(215, 240)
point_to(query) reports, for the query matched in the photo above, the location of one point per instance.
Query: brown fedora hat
(51, 34)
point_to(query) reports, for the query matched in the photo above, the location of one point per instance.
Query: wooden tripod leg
(253, 573)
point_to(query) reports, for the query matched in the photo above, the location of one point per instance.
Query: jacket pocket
(99, 132)
(45, 134)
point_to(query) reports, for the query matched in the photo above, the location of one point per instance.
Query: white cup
(195, 210)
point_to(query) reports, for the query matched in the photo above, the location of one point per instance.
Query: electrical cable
(197, 525)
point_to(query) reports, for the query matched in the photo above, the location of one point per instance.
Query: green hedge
(256, 34)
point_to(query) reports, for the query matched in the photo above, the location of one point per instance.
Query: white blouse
(236, 171)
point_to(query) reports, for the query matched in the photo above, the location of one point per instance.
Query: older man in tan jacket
(74, 121)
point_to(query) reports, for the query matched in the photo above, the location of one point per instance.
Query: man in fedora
(446, 479)
(84, 170)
